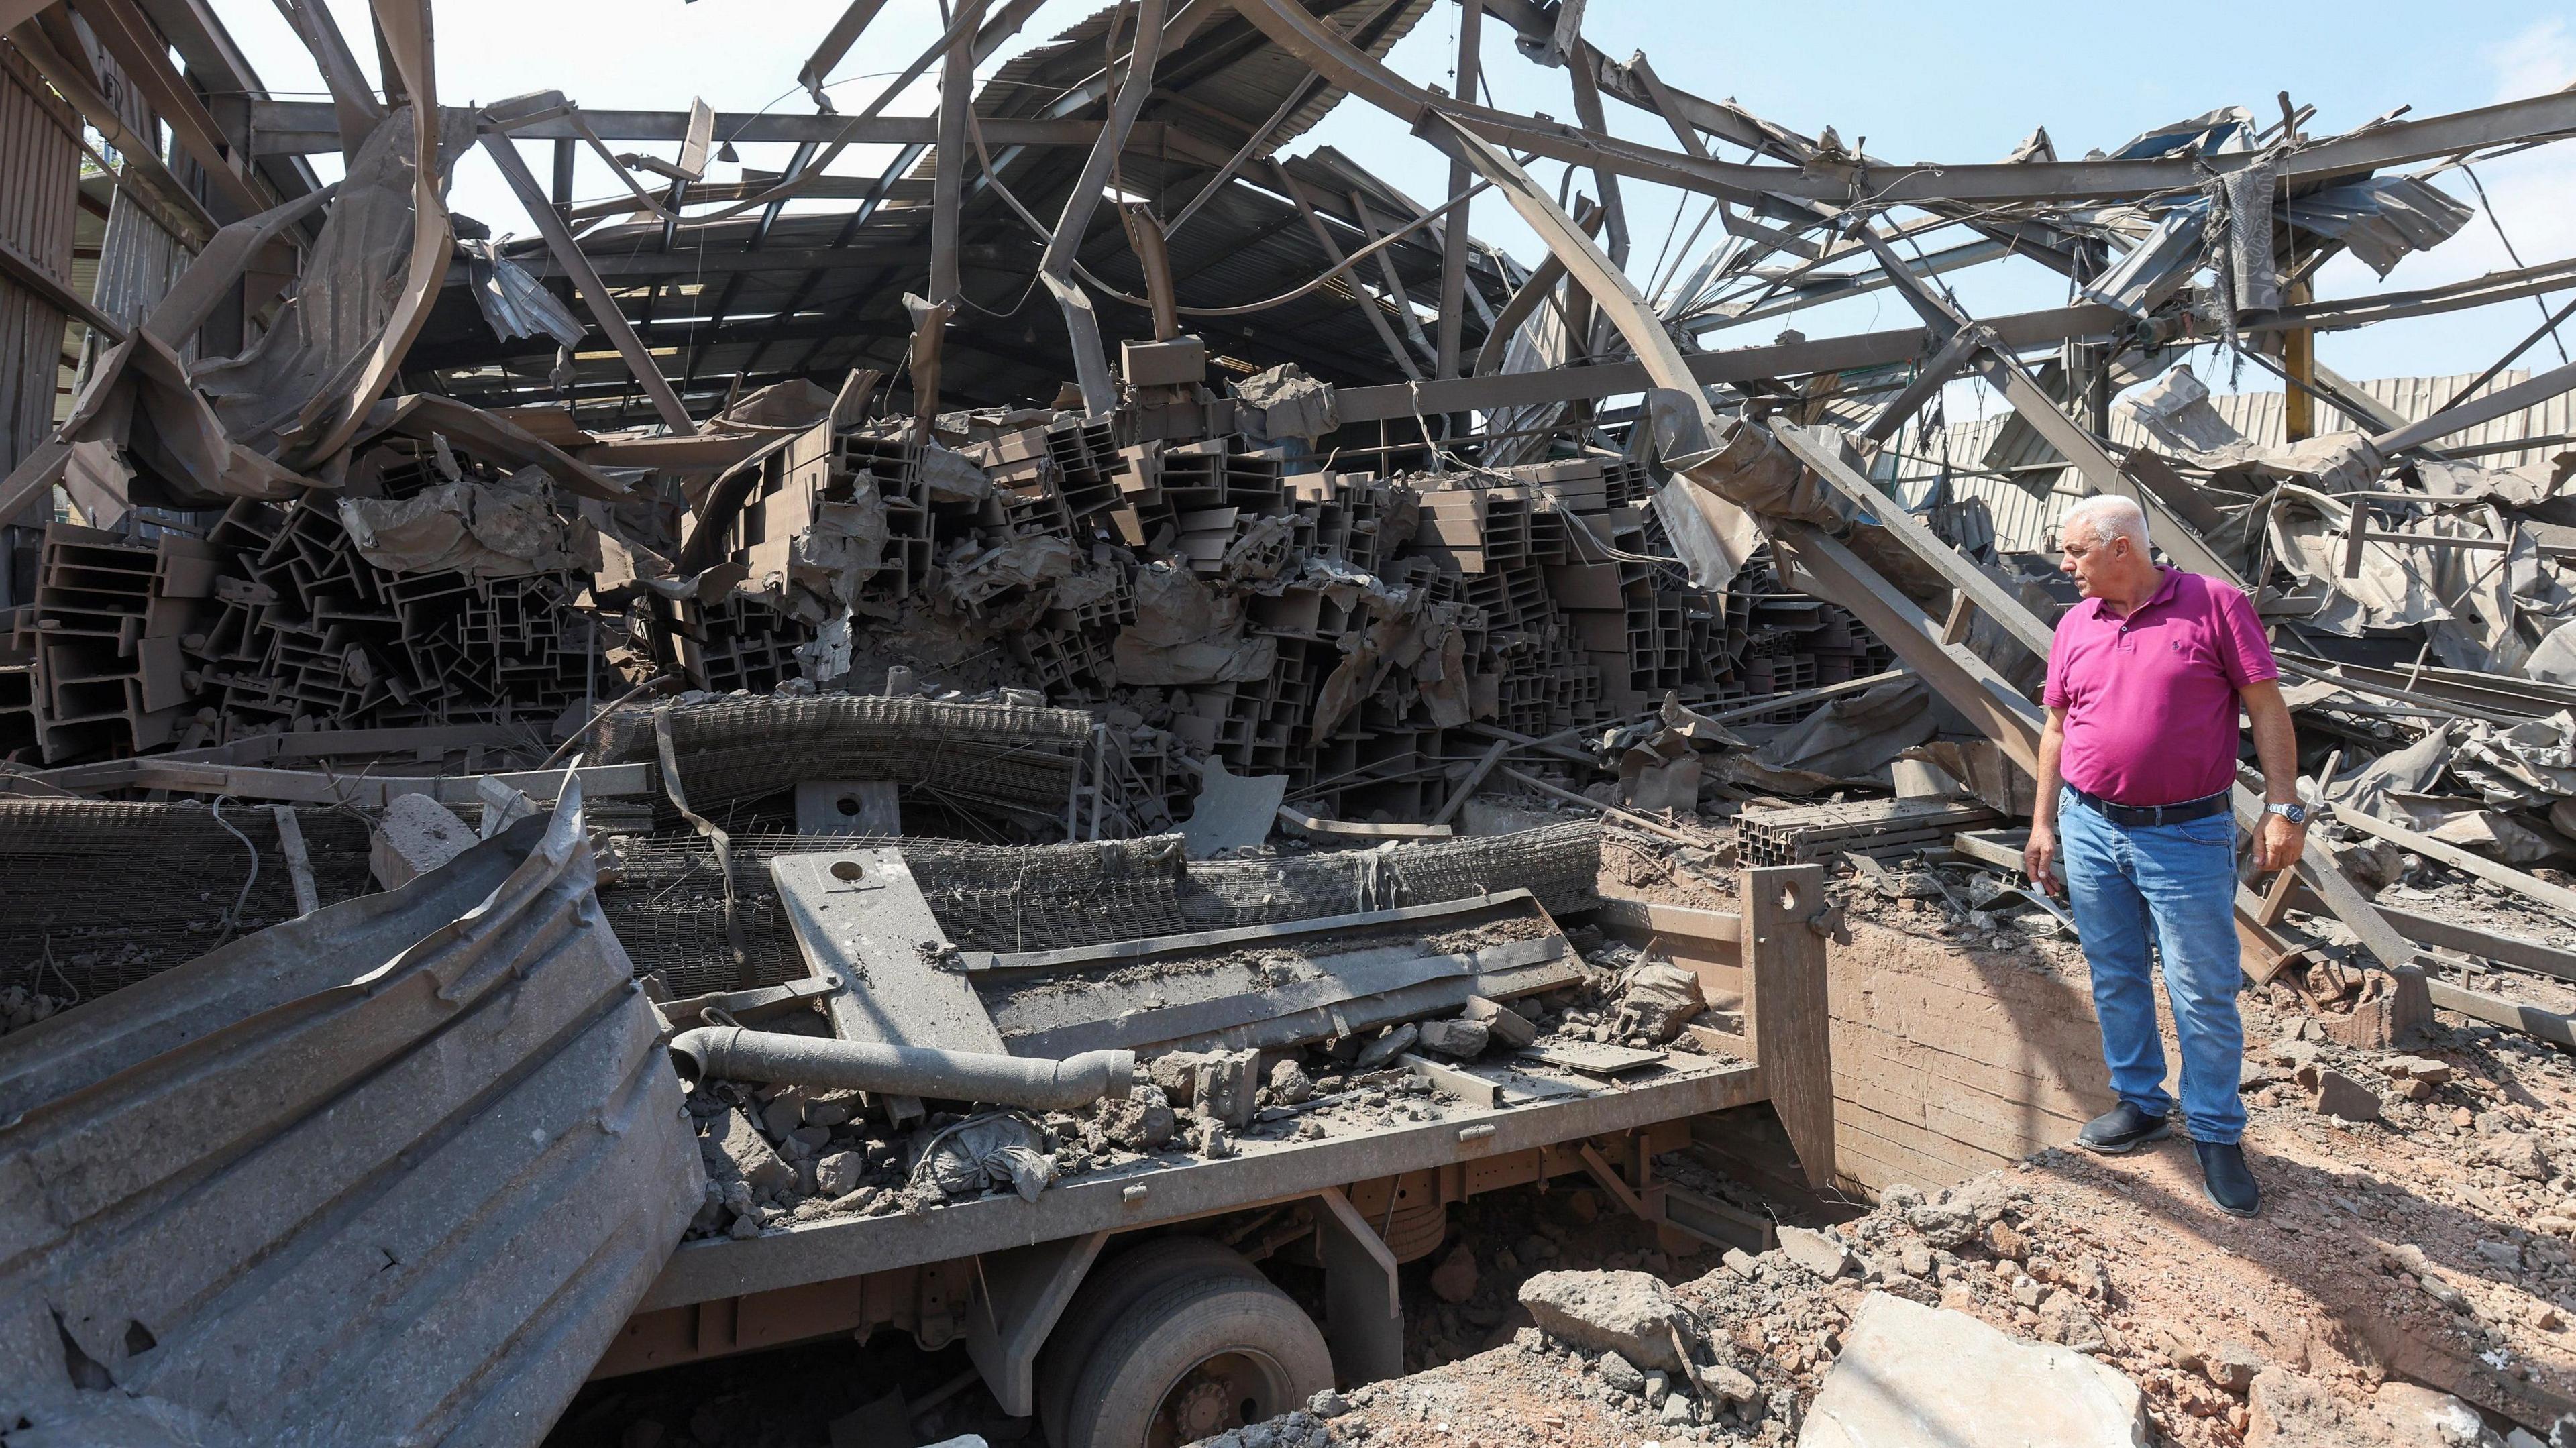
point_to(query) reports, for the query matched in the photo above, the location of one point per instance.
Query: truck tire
(1112, 1288)
(1203, 1353)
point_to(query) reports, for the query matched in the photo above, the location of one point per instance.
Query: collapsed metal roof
(765, 297)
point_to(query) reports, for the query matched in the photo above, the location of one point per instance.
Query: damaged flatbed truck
(1086, 1162)
(1127, 1303)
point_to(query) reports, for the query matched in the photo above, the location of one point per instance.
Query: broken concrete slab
(1815, 1251)
(416, 835)
(2286, 1409)
(1659, 1000)
(1502, 1024)
(1460, 1038)
(1224, 1085)
(735, 1150)
(1630, 1313)
(2332, 1093)
(1911, 1374)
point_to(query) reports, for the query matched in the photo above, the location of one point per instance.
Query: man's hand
(2039, 858)
(2276, 845)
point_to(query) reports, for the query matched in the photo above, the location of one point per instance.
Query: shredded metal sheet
(396, 1171)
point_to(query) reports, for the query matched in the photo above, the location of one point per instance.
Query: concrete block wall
(1950, 1062)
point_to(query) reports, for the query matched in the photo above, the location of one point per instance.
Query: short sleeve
(2053, 693)
(2240, 639)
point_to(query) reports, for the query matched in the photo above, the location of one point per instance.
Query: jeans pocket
(2217, 829)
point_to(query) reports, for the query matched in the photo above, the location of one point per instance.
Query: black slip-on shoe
(2122, 1128)
(2225, 1178)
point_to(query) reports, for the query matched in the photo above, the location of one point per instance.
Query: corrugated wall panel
(137, 265)
(39, 203)
(2027, 505)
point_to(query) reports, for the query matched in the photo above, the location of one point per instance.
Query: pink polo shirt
(2150, 699)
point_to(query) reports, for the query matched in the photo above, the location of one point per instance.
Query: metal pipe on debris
(733, 1054)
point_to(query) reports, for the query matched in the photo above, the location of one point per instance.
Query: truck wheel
(1108, 1293)
(1202, 1354)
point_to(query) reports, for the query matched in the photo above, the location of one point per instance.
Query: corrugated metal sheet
(2029, 499)
(395, 1172)
(39, 185)
(138, 263)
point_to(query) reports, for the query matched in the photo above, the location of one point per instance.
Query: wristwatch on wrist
(2296, 814)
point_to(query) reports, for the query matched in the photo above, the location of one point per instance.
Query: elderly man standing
(2135, 766)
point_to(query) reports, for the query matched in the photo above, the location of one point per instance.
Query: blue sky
(1918, 81)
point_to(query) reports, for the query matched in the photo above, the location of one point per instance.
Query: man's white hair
(2107, 516)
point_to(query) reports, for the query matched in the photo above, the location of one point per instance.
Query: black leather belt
(2154, 814)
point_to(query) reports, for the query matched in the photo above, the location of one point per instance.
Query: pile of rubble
(778, 1154)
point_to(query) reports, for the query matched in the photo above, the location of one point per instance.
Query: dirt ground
(2428, 1245)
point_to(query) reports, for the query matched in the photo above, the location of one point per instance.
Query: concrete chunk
(1142, 1121)
(1506, 1026)
(1617, 1372)
(734, 1148)
(416, 836)
(783, 1113)
(1660, 999)
(1224, 1085)
(2286, 1409)
(1393, 1042)
(1915, 1374)
(838, 1175)
(1462, 1038)
(1454, 1280)
(2339, 1095)
(1629, 1313)
(1815, 1251)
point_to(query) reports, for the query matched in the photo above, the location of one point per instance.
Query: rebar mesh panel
(98, 895)
(1005, 756)
(1557, 863)
(667, 904)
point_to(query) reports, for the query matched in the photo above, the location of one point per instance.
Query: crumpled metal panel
(2381, 218)
(2157, 266)
(514, 301)
(394, 1172)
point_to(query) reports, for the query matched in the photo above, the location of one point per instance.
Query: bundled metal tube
(731, 1053)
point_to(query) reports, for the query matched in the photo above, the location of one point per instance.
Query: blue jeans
(2170, 889)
